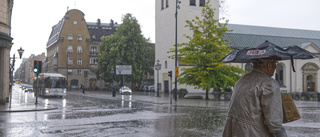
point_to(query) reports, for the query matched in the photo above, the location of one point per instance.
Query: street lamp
(67, 68)
(302, 81)
(176, 44)
(113, 92)
(11, 68)
(157, 67)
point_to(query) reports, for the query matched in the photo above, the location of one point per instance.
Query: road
(98, 114)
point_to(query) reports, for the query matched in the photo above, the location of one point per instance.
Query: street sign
(177, 72)
(123, 69)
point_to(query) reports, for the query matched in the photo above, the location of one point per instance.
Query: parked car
(28, 88)
(22, 86)
(145, 88)
(125, 90)
(151, 89)
(141, 88)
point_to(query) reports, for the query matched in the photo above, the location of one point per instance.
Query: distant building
(5, 47)
(73, 45)
(25, 72)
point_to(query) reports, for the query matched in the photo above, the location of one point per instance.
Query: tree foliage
(203, 52)
(126, 47)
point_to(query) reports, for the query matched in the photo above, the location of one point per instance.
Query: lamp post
(302, 81)
(11, 67)
(157, 67)
(67, 68)
(176, 44)
(113, 92)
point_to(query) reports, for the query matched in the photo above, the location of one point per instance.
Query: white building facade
(304, 79)
(165, 34)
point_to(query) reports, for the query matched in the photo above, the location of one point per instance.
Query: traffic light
(170, 73)
(39, 66)
(35, 66)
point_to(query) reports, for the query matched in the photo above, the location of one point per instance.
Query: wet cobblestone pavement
(142, 114)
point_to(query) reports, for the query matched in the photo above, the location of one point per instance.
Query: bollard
(113, 92)
(318, 97)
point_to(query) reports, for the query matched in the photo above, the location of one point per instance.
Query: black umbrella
(265, 50)
(299, 53)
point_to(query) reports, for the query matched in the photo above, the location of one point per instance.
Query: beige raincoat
(255, 107)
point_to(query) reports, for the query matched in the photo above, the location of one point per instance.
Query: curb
(27, 108)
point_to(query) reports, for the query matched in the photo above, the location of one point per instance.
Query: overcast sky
(32, 20)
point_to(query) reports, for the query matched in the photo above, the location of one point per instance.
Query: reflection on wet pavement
(89, 115)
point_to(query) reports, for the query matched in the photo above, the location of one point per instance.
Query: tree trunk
(207, 94)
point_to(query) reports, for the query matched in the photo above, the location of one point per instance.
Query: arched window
(310, 77)
(279, 74)
(248, 67)
(310, 83)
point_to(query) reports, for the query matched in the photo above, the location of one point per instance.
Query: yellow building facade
(72, 48)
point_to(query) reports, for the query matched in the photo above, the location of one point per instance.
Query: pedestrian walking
(256, 108)
(82, 88)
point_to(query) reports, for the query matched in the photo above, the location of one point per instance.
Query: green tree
(126, 47)
(203, 52)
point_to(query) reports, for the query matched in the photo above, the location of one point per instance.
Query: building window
(79, 61)
(93, 49)
(79, 49)
(202, 2)
(55, 61)
(167, 3)
(75, 22)
(165, 64)
(279, 74)
(69, 61)
(162, 4)
(79, 71)
(69, 49)
(193, 2)
(248, 67)
(93, 61)
(79, 37)
(310, 83)
(70, 37)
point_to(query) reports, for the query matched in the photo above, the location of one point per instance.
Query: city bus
(51, 84)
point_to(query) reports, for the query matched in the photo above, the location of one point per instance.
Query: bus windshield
(55, 82)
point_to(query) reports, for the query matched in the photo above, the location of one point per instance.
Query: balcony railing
(93, 53)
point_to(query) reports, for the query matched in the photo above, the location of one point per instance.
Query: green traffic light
(35, 70)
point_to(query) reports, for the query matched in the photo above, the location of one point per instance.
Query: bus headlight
(64, 91)
(47, 91)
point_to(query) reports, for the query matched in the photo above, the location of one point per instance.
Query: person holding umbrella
(255, 106)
